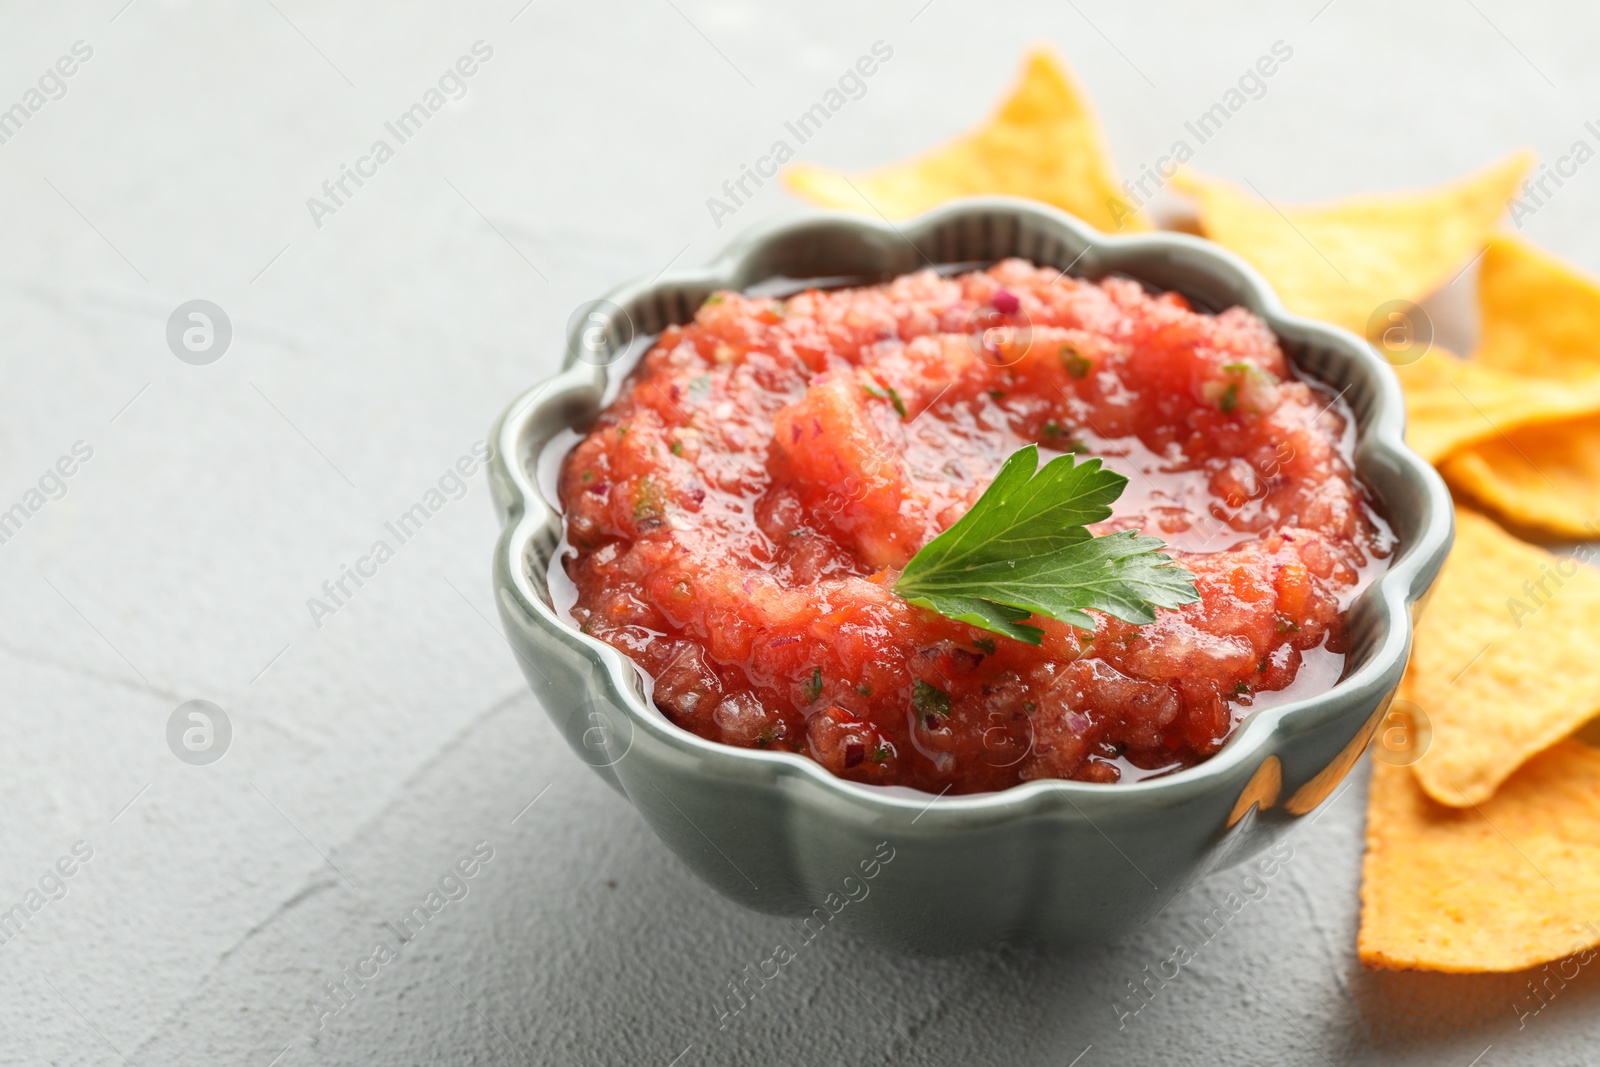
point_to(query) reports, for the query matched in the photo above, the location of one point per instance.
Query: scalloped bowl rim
(1393, 591)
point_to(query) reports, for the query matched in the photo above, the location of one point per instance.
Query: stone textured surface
(372, 752)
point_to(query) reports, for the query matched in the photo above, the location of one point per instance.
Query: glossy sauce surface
(737, 517)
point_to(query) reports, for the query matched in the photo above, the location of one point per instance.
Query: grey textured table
(377, 742)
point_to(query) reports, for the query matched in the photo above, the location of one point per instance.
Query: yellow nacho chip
(1540, 477)
(1540, 316)
(1341, 261)
(1044, 143)
(1541, 328)
(1502, 664)
(1506, 886)
(1453, 403)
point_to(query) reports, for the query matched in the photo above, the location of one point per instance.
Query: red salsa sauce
(738, 515)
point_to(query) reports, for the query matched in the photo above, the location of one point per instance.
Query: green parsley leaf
(1023, 549)
(1024, 513)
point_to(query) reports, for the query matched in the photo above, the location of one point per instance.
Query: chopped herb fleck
(864, 689)
(622, 431)
(928, 698)
(888, 393)
(766, 737)
(880, 754)
(997, 394)
(1053, 429)
(677, 448)
(814, 686)
(1245, 382)
(1076, 363)
(984, 645)
(588, 476)
(1241, 689)
(714, 299)
(648, 503)
(1285, 626)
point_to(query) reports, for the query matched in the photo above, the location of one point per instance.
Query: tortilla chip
(1044, 143)
(1540, 316)
(1453, 403)
(1341, 261)
(1503, 663)
(1506, 886)
(1544, 478)
(1540, 335)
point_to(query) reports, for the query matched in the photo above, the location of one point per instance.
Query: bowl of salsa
(728, 519)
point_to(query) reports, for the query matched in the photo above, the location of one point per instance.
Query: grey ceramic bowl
(1054, 861)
